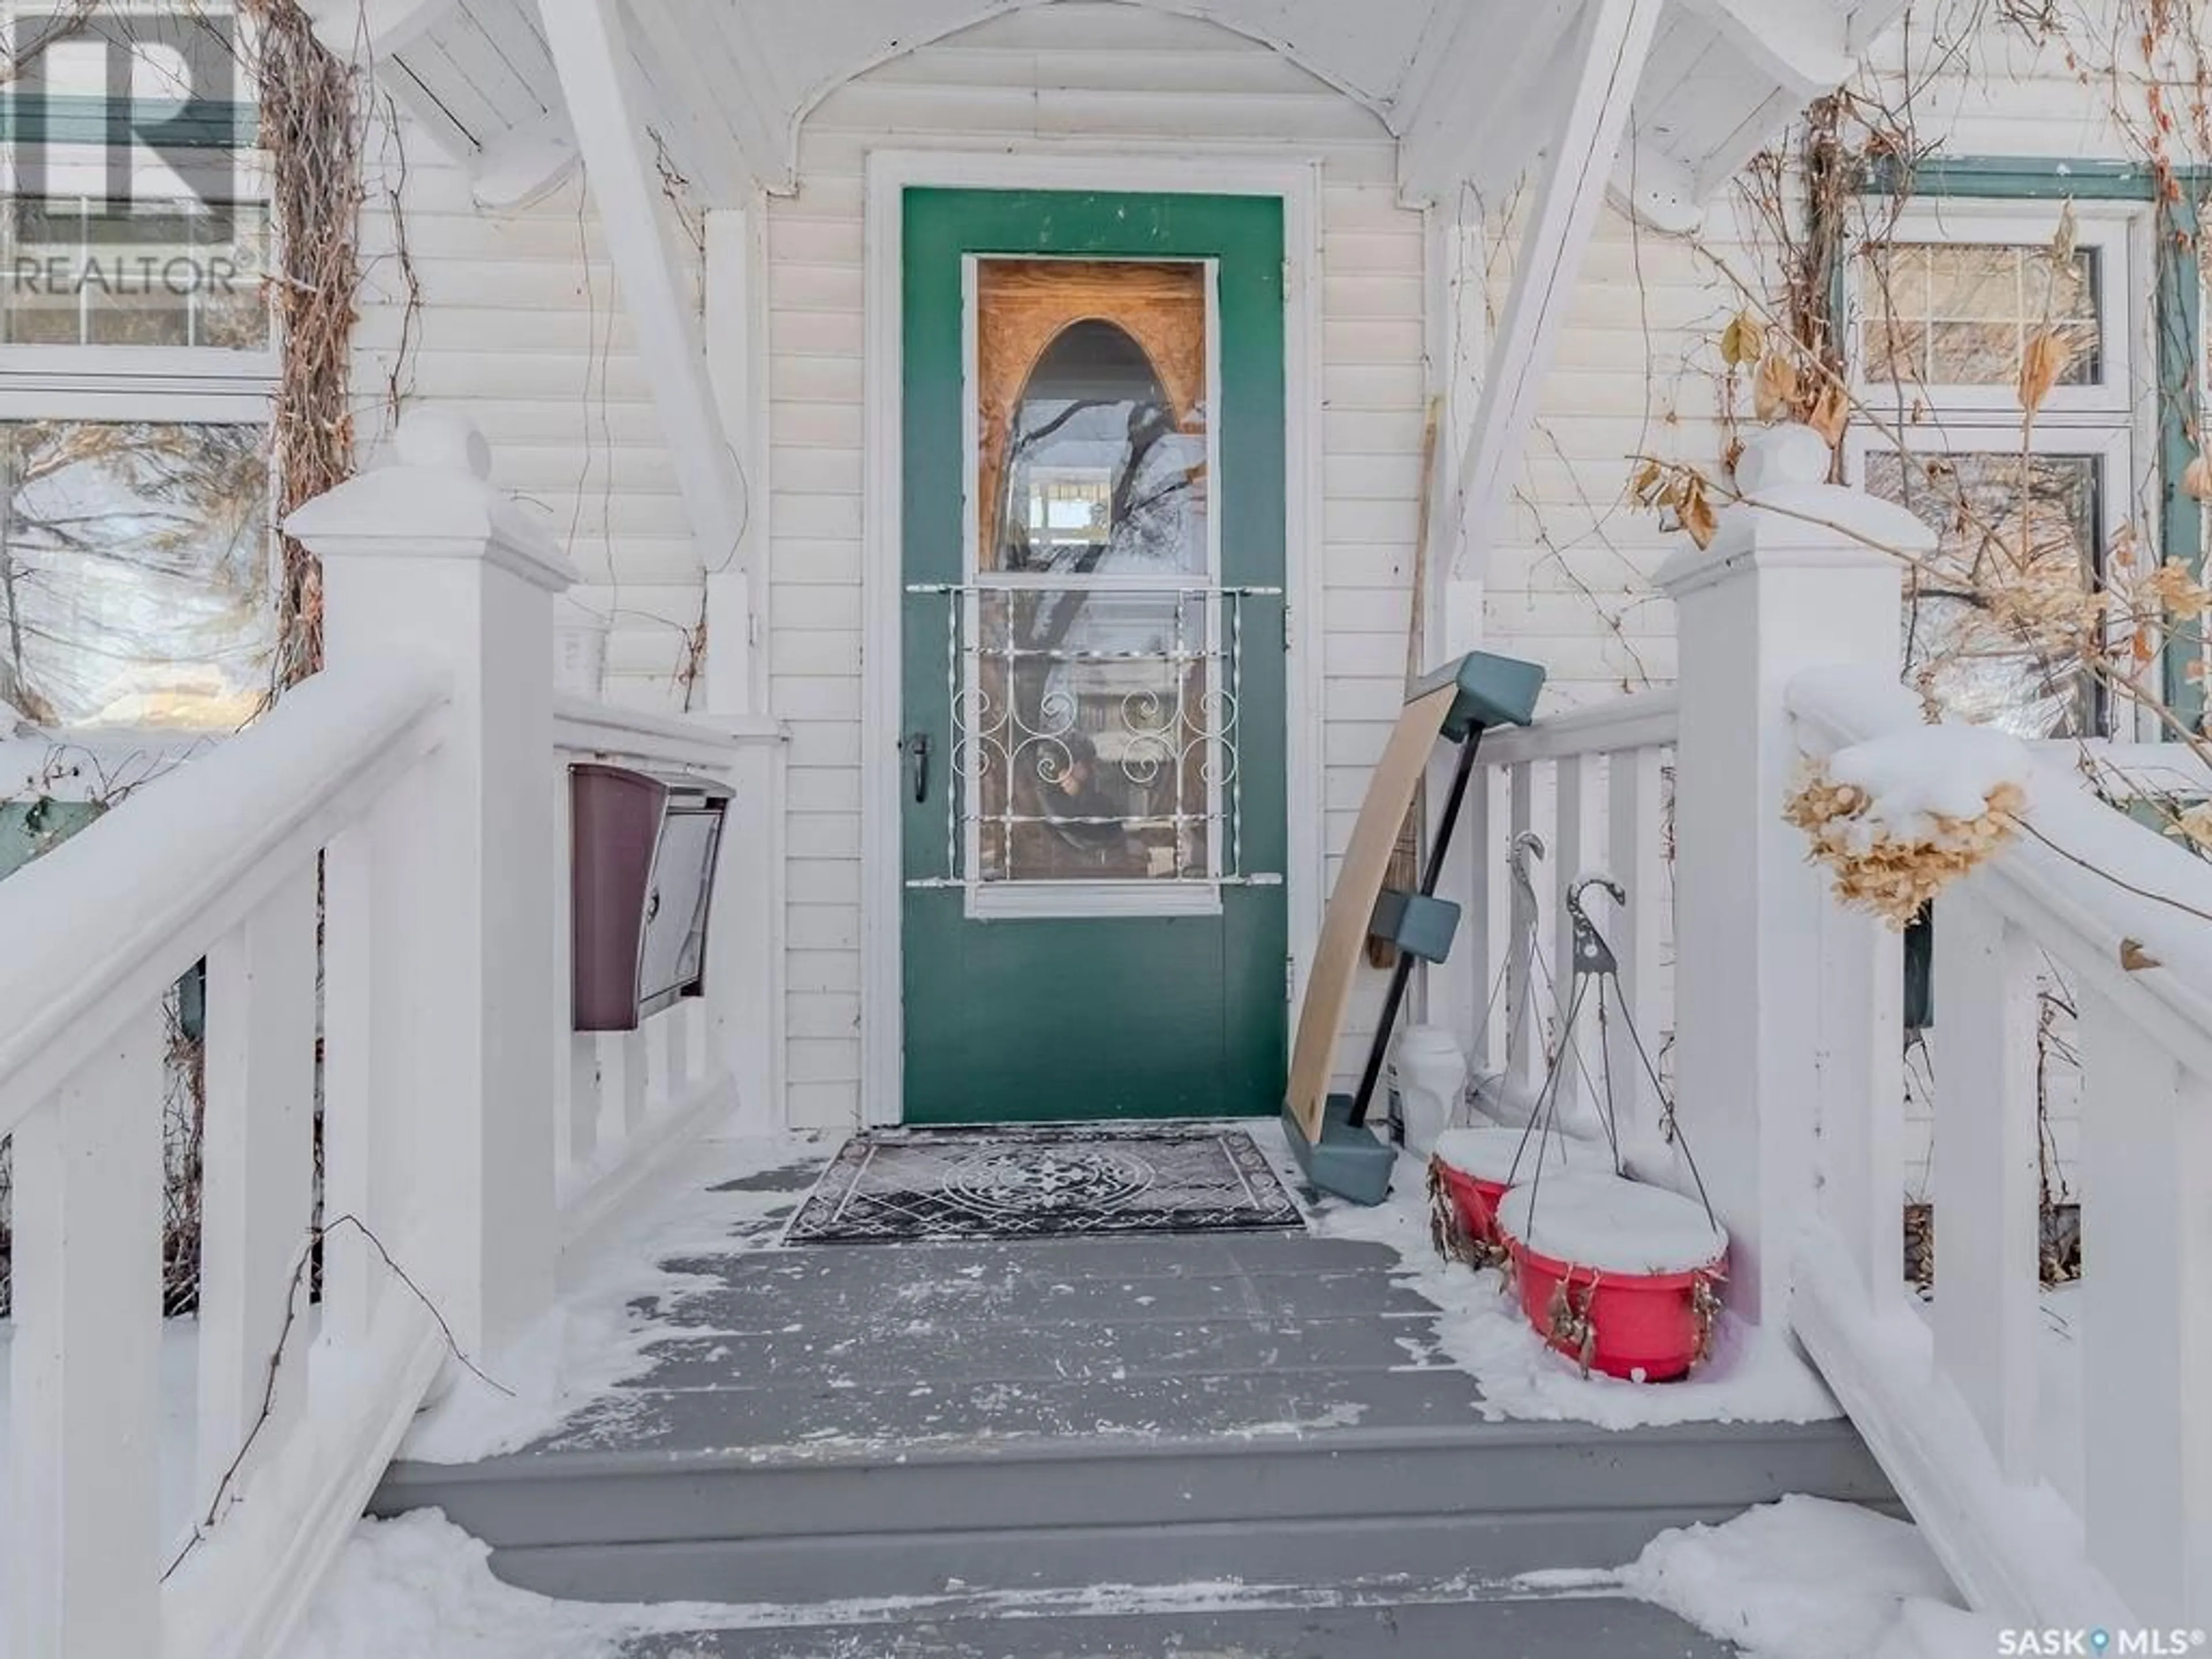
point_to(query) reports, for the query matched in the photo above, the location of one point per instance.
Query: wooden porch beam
(1614, 41)
(599, 81)
(1802, 45)
(1465, 115)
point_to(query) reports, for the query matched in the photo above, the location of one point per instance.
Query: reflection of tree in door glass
(1092, 703)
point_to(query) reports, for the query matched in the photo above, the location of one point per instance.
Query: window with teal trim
(138, 355)
(2030, 516)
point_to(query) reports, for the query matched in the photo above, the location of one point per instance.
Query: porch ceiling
(1471, 88)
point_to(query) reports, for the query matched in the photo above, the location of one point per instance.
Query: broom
(1404, 873)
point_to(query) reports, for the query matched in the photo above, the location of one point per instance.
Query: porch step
(819, 1424)
(1454, 1627)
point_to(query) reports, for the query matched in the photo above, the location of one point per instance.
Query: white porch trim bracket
(1614, 41)
(607, 110)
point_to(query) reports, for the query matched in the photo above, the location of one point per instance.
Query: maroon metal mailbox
(642, 847)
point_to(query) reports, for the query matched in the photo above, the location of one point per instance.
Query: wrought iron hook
(1526, 845)
(1592, 954)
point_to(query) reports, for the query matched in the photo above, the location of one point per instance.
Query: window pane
(1090, 393)
(1096, 734)
(136, 573)
(1962, 313)
(147, 274)
(1998, 619)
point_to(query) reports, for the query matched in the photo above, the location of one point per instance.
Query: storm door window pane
(1101, 735)
(1999, 620)
(1962, 313)
(81, 272)
(1091, 423)
(136, 573)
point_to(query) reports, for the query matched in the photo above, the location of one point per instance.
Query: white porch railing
(220, 860)
(407, 791)
(1592, 784)
(1950, 1403)
(1787, 1012)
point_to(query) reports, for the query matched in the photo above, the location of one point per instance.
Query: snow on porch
(693, 1343)
(693, 1296)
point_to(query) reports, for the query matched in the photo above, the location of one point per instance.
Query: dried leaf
(2062, 243)
(2134, 958)
(1742, 341)
(1696, 512)
(1774, 389)
(1645, 486)
(2194, 824)
(2197, 477)
(2042, 362)
(1830, 414)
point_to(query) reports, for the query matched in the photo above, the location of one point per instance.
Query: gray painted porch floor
(997, 1423)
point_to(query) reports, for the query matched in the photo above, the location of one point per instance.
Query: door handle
(917, 751)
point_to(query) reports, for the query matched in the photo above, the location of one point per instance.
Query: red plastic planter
(1476, 1200)
(1479, 1184)
(1649, 1327)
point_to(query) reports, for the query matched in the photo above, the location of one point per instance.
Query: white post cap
(429, 496)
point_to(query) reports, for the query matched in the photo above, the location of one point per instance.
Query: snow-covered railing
(1788, 1078)
(621, 1099)
(2125, 915)
(1591, 785)
(229, 859)
(395, 824)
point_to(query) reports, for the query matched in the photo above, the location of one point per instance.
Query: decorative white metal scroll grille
(1095, 732)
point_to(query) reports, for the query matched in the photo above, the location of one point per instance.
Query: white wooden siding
(1091, 75)
(520, 325)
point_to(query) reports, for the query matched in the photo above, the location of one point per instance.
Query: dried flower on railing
(1898, 817)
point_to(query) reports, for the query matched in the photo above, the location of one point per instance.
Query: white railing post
(423, 555)
(1794, 578)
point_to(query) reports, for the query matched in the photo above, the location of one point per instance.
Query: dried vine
(311, 124)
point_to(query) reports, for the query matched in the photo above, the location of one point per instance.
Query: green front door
(1092, 818)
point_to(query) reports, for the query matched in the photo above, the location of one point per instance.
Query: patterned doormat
(1039, 1181)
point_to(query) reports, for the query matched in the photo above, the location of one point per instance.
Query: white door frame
(1297, 184)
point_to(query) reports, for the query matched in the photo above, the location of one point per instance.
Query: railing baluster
(633, 1079)
(349, 1075)
(586, 1096)
(258, 1156)
(1636, 859)
(1986, 1171)
(2146, 1343)
(570, 1107)
(84, 1420)
(1573, 846)
(1485, 928)
(1524, 1010)
(1860, 1113)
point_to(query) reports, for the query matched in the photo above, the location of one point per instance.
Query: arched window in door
(1093, 556)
